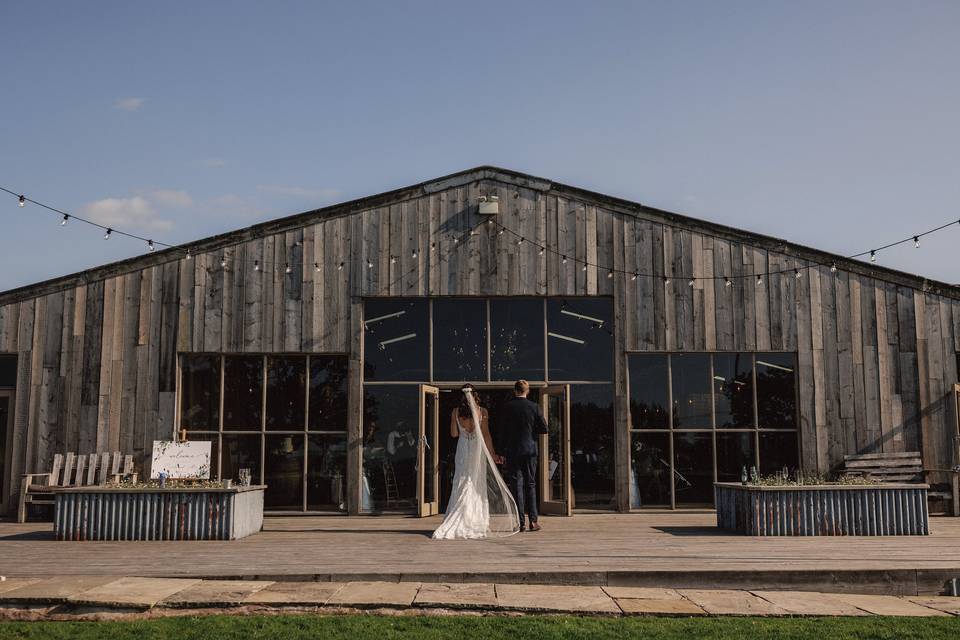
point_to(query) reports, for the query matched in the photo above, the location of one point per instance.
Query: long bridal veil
(503, 517)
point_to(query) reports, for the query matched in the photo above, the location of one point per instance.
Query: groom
(522, 421)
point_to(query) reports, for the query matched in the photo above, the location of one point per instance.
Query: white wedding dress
(480, 504)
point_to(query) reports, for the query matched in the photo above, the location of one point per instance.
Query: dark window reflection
(200, 391)
(283, 473)
(592, 461)
(580, 338)
(650, 470)
(778, 449)
(326, 473)
(240, 452)
(776, 391)
(733, 389)
(691, 390)
(734, 454)
(649, 391)
(396, 343)
(459, 340)
(242, 392)
(328, 393)
(286, 392)
(693, 467)
(391, 426)
(8, 372)
(516, 327)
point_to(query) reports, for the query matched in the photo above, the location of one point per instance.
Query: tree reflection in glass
(200, 392)
(396, 342)
(776, 391)
(733, 389)
(242, 392)
(459, 340)
(691, 390)
(517, 333)
(286, 392)
(649, 391)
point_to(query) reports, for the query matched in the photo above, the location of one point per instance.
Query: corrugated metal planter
(823, 510)
(111, 513)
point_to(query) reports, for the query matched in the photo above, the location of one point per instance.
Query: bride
(480, 504)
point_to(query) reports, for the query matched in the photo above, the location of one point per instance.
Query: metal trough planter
(823, 510)
(183, 513)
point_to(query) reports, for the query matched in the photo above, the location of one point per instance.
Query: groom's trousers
(522, 480)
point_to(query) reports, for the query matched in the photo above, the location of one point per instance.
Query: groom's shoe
(534, 527)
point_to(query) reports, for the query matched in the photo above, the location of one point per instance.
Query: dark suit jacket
(520, 423)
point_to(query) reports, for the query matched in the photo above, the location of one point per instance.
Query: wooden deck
(667, 549)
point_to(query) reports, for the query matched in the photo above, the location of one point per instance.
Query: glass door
(428, 458)
(556, 497)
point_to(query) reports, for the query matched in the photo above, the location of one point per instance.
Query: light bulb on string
(584, 267)
(916, 242)
(564, 259)
(609, 274)
(369, 264)
(65, 219)
(500, 232)
(287, 268)
(728, 282)
(339, 267)
(223, 261)
(106, 236)
(759, 280)
(256, 265)
(393, 259)
(150, 245)
(414, 254)
(833, 267)
(189, 256)
(691, 282)
(22, 201)
(520, 241)
(666, 281)
(797, 274)
(873, 255)
(634, 276)
(316, 266)
(542, 251)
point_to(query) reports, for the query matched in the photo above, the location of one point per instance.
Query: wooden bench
(906, 467)
(71, 470)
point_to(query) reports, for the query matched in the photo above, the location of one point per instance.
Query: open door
(556, 496)
(428, 458)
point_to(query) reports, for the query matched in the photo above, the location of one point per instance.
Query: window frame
(216, 436)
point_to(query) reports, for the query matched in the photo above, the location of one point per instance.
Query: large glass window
(8, 371)
(516, 329)
(692, 403)
(776, 391)
(592, 460)
(200, 393)
(266, 403)
(396, 342)
(580, 338)
(649, 391)
(459, 340)
(720, 414)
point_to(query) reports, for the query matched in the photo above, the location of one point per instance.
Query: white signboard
(180, 459)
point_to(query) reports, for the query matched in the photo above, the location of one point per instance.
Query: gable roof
(486, 172)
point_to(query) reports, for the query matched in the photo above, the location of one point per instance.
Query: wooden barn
(324, 351)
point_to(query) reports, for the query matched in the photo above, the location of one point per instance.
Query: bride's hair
(464, 409)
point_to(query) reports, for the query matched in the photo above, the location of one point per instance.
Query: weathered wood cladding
(97, 360)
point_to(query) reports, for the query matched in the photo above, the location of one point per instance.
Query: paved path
(680, 550)
(66, 597)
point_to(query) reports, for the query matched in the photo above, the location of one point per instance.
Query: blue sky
(833, 124)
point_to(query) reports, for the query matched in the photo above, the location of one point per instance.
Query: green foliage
(487, 628)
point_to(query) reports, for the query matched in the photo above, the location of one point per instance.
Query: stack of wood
(72, 470)
(904, 467)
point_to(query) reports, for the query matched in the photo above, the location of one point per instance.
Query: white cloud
(129, 104)
(170, 198)
(128, 214)
(300, 192)
(214, 163)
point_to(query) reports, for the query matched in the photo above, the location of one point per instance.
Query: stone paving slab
(216, 593)
(54, 590)
(17, 583)
(947, 604)
(132, 592)
(888, 605)
(468, 596)
(376, 594)
(531, 597)
(295, 594)
(732, 603)
(808, 603)
(650, 606)
(643, 593)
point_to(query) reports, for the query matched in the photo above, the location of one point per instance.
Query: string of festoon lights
(463, 236)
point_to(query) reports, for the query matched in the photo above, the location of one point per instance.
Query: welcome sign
(180, 459)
